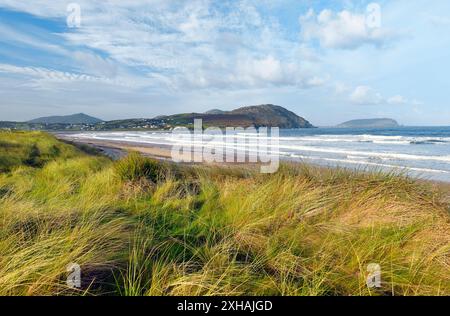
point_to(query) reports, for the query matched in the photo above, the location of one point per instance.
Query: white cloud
(249, 73)
(365, 95)
(43, 78)
(186, 44)
(341, 88)
(96, 65)
(344, 30)
(213, 54)
(45, 74)
(397, 99)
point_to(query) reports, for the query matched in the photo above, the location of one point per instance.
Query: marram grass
(140, 227)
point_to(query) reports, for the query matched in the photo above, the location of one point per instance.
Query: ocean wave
(345, 138)
(381, 155)
(429, 142)
(166, 139)
(315, 148)
(366, 138)
(389, 166)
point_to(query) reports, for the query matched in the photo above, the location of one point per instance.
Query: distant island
(370, 123)
(258, 116)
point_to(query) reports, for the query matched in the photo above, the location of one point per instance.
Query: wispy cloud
(365, 95)
(207, 54)
(43, 78)
(344, 29)
(190, 44)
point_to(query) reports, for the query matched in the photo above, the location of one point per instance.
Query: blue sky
(325, 60)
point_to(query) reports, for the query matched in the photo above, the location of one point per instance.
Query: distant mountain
(259, 115)
(370, 123)
(273, 115)
(215, 111)
(79, 118)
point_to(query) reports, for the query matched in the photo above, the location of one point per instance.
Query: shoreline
(118, 149)
(371, 151)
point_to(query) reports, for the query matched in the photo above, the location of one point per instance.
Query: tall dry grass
(139, 227)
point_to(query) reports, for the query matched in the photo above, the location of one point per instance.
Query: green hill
(79, 118)
(259, 115)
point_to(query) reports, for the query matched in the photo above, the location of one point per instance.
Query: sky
(328, 61)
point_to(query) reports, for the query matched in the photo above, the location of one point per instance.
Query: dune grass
(142, 227)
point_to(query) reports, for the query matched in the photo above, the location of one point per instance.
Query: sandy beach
(118, 149)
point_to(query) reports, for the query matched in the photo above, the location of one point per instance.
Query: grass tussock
(134, 167)
(141, 227)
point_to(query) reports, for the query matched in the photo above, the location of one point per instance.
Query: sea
(420, 152)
